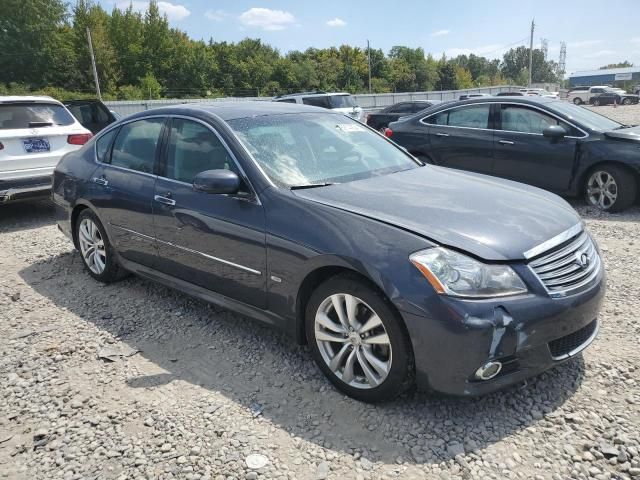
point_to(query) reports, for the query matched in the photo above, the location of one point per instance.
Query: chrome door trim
(211, 257)
(164, 200)
(195, 252)
(526, 105)
(552, 242)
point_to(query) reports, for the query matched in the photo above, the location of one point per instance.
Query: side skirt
(265, 316)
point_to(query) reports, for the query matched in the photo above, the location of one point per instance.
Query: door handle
(440, 134)
(164, 200)
(506, 142)
(100, 181)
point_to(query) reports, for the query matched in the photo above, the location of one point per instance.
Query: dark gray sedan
(544, 142)
(394, 272)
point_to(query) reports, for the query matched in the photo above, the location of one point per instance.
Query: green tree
(516, 60)
(624, 64)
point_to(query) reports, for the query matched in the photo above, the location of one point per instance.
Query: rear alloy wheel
(357, 340)
(577, 101)
(610, 188)
(596, 102)
(97, 253)
(626, 101)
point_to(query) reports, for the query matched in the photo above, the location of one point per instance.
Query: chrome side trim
(526, 105)
(211, 257)
(582, 346)
(552, 242)
(142, 235)
(186, 249)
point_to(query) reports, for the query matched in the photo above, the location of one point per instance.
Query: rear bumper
(24, 189)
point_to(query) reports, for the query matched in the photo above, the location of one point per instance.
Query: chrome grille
(568, 266)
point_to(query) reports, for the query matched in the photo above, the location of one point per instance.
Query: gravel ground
(627, 114)
(133, 380)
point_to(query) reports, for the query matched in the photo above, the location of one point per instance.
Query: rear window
(322, 101)
(33, 115)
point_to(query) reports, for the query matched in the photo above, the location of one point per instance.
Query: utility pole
(93, 63)
(533, 25)
(369, 63)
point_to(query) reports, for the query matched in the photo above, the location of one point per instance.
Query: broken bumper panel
(527, 334)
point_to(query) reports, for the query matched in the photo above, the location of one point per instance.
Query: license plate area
(36, 145)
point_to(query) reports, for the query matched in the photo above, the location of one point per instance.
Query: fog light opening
(488, 370)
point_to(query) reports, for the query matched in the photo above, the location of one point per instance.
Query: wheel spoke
(328, 337)
(373, 322)
(380, 339)
(88, 252)
(368, 372)
(338, 358)
(380, 366)
(336, 300)
(352, 304)
(99, 262)
(324, 320)
(347, 373)
(84, 233)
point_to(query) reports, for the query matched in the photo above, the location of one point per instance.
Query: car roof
(233, 110)
(27, 98)
(312, 94)
(501, 99)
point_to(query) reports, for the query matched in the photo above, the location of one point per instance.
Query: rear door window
(33, 115)
(473, 116)
(135, 146)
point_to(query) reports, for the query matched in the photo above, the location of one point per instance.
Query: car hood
(488, 217)
(631, 133)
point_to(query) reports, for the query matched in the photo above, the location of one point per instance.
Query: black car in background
(394, 272)
(544, 142)
(380, 120)
(610, 96)
(510, 94)
(92, 114)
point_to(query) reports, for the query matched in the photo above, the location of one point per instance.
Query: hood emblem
(582, 260)
(34, 131)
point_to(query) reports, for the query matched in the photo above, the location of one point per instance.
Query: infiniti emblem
(582, 260)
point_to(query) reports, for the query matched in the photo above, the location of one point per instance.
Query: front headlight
(455, 274)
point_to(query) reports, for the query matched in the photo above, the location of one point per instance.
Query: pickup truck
(580, 95)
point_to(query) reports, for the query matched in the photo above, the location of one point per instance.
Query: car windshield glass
(30, 115)
(585, 117)
(311, 148)
(342, 101)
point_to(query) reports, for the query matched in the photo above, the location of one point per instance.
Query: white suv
(339, 101)
(35, 132)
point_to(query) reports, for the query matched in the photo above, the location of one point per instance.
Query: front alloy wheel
(353, 341)
(358, 340)
(611, 187)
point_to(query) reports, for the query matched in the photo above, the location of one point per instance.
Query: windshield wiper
(310, 185)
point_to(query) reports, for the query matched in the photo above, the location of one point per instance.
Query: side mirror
(217, 181)
(554, 132)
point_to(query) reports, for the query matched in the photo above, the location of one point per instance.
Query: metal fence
(366, 101)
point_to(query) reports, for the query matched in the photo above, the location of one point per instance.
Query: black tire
(112, 270)
(400, 376)
(626, 187)
(596, 102)
(577, 101)
(626, 101)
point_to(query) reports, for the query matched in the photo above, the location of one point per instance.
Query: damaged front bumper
(527, 335)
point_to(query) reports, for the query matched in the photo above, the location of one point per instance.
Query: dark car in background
(510, 94)
(394, 272)
(380, 120)
(543, 142)
(92, 114)
(610, 96)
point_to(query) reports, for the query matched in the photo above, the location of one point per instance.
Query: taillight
(388, 132)
(79, 138)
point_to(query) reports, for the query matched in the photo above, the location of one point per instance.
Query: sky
(596, 33)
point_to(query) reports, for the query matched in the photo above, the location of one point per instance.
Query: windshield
(30, 115)
(342, 101)
(312, 148)
(589, 119)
